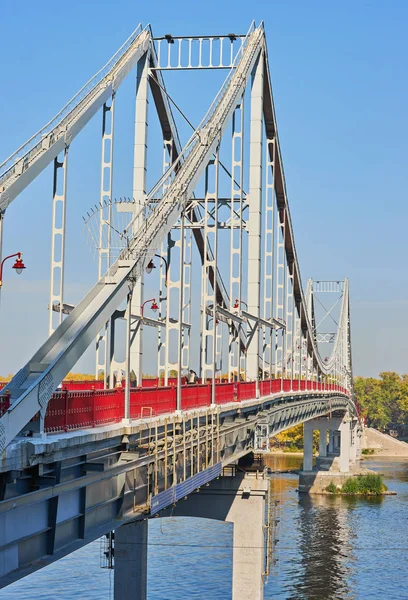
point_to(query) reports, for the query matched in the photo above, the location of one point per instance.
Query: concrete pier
(336, 458)
(131, 561)
(239, 500)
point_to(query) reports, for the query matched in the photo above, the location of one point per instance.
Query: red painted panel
(246, 390)
(265, 386)
(150, 382)
(109, 406)
(286, 385)
(82, 385)
(225, 392)
(195, 395)
(152, 401)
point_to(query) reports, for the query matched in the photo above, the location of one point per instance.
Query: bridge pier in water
(339, 449)
(238, 499)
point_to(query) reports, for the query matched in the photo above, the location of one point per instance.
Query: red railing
(226, 392)
(195, 395)
(152, 401)
(246, 390)
(82, 408)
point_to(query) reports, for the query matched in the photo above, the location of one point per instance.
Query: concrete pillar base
(239, 500)
(131, 561)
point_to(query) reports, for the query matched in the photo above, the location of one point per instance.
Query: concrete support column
(331, 441)
(323, 441)
(359, 434)
(354, 441)
(239, 500)
(344, 461)
(131, 561)
(308, 446)
(248, 517)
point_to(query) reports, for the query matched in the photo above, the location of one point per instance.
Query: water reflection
(325, 548)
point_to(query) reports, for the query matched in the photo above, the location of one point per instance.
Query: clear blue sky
(339, 74)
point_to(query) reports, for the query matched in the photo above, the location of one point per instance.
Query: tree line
(383, 402)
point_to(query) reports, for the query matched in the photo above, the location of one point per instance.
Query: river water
(329, 548)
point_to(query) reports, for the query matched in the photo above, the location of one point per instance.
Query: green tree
(372, 401)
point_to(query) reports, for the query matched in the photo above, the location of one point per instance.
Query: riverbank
(382, 444)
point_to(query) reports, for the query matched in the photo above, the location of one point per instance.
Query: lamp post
(238, 303)
(154, 307)
(18, 265)
(152, 266)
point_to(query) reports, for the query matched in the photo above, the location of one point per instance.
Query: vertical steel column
(255, 213)
(301, 343)
(164, 304)
(289, 324)
(209, 293)
(105, 231)
(280, 292)
(269, 243)
(139, 195)
(128, 336)
(180, 312)
(187, 262)
(58, 239)
(236, 217)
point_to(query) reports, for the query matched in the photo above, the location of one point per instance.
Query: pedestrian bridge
(211, 249)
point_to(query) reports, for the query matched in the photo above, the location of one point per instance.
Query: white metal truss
(269, 335)
(139, 195)
(197, 52)
(280, 354)
(236, 224)
(255, 213)
(209, 292)
(58, 241)
(166, 283)
(105, 227)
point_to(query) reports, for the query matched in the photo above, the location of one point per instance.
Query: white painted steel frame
(255, 213)
(139, 196)
(105, 228)
(209, 292)
(269, 335)
(236, 231)
(58, 240)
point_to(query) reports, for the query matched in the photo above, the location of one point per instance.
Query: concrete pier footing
(131, 561)
(238, 499)
(339, 449)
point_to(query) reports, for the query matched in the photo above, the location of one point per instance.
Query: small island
(370, 484)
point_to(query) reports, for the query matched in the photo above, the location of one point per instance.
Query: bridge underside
(78, 486)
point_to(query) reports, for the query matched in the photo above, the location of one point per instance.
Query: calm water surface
(328, 549)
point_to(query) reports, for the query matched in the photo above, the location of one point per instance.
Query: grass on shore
(362, 485)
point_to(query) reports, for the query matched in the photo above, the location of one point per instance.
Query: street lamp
(154, 307)
(152, 266)
(238, 302)
(18, 265)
